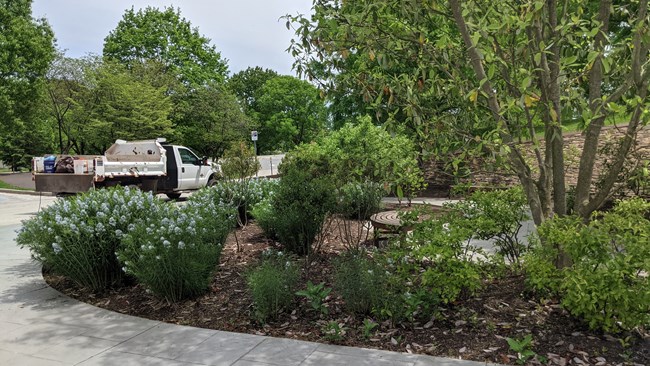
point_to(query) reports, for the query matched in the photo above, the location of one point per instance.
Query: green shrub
(239, 161)
(175, 253)
(272, 285)
(358, 153)
(300, 206)
(360, 282)
(363, 151)
(543, 276)
(495, 215)
(607, 283)
(449, 265)
(359, 201)
(78, 237)
(265, 217)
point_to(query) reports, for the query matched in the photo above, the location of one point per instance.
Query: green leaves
(289, 112)
(316, 295)
(603, 285)
(523, 347)
(126, 107)
(166, 37)
(26, 50)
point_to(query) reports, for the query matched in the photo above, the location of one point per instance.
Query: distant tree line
(157, 77)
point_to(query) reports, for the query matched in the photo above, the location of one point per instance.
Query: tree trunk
(517, 160)
(592, 134)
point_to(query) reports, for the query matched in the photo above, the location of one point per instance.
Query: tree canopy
(247, 85)
(26, 50)
(168, 38)
(126, 108)
(289, 111)
(213, 120)
(511, 66)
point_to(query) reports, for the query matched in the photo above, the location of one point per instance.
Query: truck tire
(212, 182)
(173, 196)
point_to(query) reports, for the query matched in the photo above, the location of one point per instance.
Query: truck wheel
(212, 182)
(173, 196)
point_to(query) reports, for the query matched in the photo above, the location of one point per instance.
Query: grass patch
(4, 185)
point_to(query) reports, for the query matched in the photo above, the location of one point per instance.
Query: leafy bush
(300, 206)
(360, 282)
(360, 200)
(79, 236)
(449, 265)
(358, 153)
(607, 283)
(495, 215)
(240, 194)
(272, 285)
(265, 217)
(239, 161)
(175, 253)
(364, 151)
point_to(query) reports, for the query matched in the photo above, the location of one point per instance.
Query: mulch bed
(474, 329)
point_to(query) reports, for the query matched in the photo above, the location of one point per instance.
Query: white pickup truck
(151, 165)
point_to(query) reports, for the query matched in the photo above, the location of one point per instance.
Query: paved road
(40, 326)
(22, 180)
(269, 165)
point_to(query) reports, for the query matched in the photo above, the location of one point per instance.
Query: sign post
(254, 138)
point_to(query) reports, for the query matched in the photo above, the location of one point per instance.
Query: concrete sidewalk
(40, 326)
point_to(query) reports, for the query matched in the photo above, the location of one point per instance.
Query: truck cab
(185, 171)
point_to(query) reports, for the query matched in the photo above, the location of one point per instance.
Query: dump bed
(123, 160)
(132, 158)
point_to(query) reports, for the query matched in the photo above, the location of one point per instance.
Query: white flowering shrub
(240, 194)
(78, 237)
(175, 252)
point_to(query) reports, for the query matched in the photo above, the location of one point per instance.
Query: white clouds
(246, 32)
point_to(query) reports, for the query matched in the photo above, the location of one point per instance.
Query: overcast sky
(246, 32)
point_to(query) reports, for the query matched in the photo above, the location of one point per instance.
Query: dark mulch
(474, 329)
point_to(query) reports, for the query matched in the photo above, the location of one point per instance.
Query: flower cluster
(239, 194)
(175, 252)
(78, 236)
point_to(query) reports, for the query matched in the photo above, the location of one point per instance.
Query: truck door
(191, 172)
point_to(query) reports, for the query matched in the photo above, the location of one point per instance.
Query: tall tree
(126, 107)
(67, 81)
(247, 85)
(168, 38)
(519, 64)
(214, 120)
(26, 50)
(290, 111)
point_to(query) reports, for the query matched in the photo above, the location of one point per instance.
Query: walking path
(40, 326)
